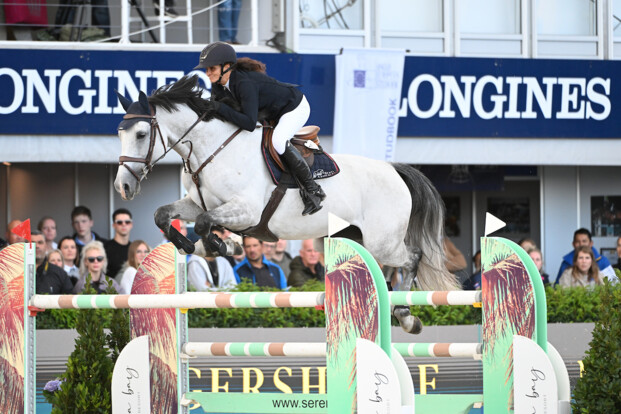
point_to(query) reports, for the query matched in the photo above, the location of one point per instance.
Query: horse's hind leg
(184, 209)
(409, 323)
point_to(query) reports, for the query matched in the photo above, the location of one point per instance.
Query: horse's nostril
(126, 188)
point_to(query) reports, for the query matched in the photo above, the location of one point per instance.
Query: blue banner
(52, 92)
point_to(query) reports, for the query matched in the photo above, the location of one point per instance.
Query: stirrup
(312, 202)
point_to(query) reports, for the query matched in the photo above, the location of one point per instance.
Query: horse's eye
(141, 135)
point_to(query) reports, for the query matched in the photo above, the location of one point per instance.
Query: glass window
(335, 14)
(412, 16)
(616, 18)
(489, 17)
(566, 17)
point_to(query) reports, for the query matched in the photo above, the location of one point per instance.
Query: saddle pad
(323, 167)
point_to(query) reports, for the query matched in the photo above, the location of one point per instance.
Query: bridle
(148, 165)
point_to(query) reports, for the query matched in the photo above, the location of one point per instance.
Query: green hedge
(564, 305)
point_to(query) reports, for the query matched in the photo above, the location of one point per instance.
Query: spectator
(50, 278)
(55, 257)
(3, 243)
(618, 265)
(100, 15)
(69, 250)
(210, 273)
(228, 18)
(118, 246)
(93, 263)
(282, 258)
(584, 271)
(137, 251)
(474, 281)
(47, 226)
(256, 269)
(268, 250)
(82, 222)
(537, 257)
(582, 237)
(306, 266)
(527, 244)
(455, 260)
(11, 237)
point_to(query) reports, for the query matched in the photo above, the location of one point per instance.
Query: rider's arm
(248, 92)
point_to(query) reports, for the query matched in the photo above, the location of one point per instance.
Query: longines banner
(52, 92)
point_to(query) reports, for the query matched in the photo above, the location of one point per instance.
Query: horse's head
(138, 133)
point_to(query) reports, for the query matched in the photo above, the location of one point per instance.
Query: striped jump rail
(318, 349)
(195, 300)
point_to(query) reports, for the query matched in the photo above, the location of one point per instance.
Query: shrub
(599, 389)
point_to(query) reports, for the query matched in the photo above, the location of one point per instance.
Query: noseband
(148, 166)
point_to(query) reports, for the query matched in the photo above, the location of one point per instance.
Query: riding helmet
(217, 53)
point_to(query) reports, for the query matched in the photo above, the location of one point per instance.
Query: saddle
(306, 141)
(320, 163)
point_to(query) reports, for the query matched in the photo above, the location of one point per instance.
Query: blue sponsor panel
(72, 91)
(53, 92)
(475, 97)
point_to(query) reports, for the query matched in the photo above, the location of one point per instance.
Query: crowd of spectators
(65, 265)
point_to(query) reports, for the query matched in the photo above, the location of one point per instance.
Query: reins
(147, 160)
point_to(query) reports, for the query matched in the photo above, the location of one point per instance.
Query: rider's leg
(288, 125)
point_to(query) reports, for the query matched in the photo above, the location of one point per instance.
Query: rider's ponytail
(250, 65)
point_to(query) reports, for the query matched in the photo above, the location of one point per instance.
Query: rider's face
(214, 72)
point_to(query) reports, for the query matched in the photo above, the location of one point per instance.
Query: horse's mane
(184, 91)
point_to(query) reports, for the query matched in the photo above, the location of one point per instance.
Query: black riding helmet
(217, 53)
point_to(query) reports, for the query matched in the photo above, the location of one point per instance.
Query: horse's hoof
(411, 324)
(233, 248)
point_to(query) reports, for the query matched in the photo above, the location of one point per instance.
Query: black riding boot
(311, 193)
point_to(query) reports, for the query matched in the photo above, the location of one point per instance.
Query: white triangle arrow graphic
(335, 224)
(492, 223)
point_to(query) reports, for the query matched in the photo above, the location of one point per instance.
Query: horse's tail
(426, 230)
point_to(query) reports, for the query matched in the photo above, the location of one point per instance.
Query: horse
(394, 210)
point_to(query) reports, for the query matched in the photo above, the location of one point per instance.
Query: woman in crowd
(47, 226)
(584, 272)
(537, 257)
(138, 250)
(69, 251)
(93, 264)
(55, 257)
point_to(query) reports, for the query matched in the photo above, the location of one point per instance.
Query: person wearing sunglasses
(118, 247)
(93, 264)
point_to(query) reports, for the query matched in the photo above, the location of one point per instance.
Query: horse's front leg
(233, 214)
(184, 209)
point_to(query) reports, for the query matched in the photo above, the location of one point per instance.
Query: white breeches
(289, 124)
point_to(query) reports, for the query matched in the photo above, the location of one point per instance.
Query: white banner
(534, 380)
(366, 107)
(131, 392)
(378, 389)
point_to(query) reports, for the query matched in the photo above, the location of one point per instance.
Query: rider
(245, 80)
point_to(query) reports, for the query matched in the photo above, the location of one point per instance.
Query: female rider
(245, 80)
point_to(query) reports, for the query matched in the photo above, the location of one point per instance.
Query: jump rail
(318, 349)
(213, 300)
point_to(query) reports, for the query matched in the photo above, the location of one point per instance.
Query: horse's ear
(144, 101)
(123, 100)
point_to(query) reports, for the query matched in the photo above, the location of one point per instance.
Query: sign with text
(534, 381)
(52, 92)
(131, 380)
